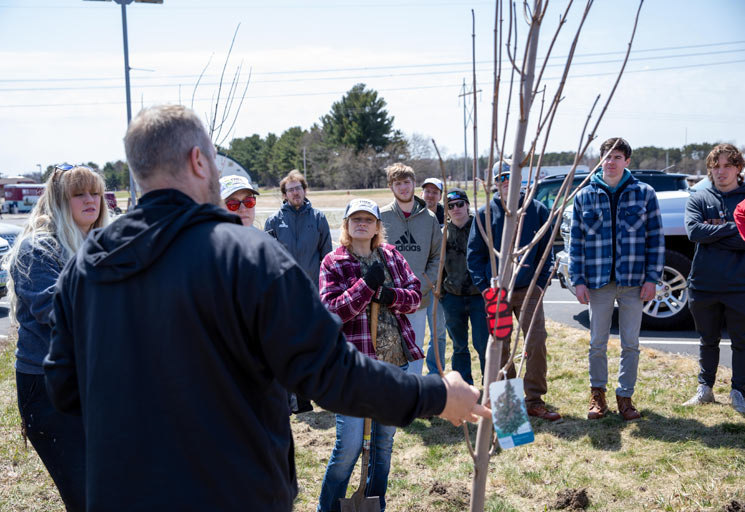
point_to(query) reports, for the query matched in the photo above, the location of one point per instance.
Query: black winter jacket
(177, 331)
(719, 262)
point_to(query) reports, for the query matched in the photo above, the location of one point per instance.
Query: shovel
(358, 502)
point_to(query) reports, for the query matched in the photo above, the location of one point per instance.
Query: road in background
(561, 306)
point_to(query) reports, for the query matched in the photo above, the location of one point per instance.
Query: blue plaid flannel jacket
(640, 242)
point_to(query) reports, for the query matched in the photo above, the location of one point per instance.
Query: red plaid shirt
(345, 293)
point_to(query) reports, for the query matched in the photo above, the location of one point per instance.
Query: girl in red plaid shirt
(361, 271)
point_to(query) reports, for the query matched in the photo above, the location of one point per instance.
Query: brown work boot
(598, 405)
(626, 409)
(540, 411)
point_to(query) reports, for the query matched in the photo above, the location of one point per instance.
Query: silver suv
(669, 308)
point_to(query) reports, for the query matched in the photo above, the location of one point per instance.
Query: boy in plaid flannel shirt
(616, 255)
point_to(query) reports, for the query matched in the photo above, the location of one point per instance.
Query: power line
(365, 77)
(384, 89)
(409, 66)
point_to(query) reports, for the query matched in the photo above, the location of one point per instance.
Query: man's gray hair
(160, 139)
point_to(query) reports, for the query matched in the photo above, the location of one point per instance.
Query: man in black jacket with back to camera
(178, 331)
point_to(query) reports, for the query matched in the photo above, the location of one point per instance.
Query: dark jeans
(458, 310)
(58, 439)
(711, 312)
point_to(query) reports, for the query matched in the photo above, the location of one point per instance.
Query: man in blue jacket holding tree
(536, 215)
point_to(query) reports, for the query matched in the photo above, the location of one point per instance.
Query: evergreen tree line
(351, 146)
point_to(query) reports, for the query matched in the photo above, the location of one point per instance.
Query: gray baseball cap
(362, 205)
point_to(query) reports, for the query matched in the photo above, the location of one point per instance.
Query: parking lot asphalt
(561, 306)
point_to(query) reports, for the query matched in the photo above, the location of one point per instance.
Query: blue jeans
(431, 364)
(347, 450)
(458, 310)
(58, 439)
(418, 321)
(602, 303)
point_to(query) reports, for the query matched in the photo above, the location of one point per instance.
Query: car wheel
(669, 308)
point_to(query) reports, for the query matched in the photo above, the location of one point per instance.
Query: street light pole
(123, 3)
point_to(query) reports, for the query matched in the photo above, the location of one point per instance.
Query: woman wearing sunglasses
(361, 271)
(239, 197)
(72, 204)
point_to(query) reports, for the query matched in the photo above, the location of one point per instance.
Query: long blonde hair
(50, 225)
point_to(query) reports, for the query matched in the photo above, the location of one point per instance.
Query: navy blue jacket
(478, 252)
(304, 233)
(34, 274)
(719, 261)
(177, 333)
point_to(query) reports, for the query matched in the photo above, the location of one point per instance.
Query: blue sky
(61, 68)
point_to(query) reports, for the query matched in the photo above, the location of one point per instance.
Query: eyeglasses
(293, 189)
(455, 204)
(234, 204)
(502, 178)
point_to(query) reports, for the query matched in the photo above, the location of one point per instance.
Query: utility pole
(305, 171)
(124, 3)
(466, 120)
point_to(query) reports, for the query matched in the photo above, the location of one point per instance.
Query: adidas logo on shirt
(405, 244)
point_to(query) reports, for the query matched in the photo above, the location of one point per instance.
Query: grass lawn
(673, 459)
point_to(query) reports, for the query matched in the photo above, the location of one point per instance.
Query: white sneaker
(703, 395)
(738, 402)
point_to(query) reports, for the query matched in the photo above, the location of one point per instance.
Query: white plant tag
(509, 414)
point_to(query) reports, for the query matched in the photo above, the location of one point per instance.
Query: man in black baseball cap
(461, 299)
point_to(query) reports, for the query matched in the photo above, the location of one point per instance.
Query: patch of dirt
(456, 495)
(438, 488)
(734, 506)
(571, 499)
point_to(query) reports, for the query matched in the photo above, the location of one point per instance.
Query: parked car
(669, 308)
(9, 232)
(548, 188)
(4, 249)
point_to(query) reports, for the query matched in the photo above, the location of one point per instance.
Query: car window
(663, 183)
(548, 190)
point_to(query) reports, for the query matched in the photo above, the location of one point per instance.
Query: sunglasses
(234, 204)
(455, 204)
(502, 178)
(67, 167)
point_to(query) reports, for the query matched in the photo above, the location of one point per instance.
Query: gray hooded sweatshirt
(418, 239)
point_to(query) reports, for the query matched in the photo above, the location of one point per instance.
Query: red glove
(503, 317)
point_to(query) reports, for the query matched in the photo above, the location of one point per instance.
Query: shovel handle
(374, 310)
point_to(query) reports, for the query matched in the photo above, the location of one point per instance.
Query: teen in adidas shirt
(415, 232)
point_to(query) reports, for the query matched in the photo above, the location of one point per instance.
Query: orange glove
(503, 317)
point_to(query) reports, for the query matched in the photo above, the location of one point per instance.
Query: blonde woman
(72, 204)
(365, 270)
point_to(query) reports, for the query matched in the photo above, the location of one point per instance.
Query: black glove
(385, 296)
(375, 276)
